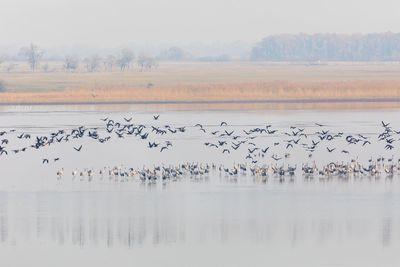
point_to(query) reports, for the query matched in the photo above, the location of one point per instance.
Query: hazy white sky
(114, 22)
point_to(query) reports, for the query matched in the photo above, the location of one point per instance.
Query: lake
(214, 219)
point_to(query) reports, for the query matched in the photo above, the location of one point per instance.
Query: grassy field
(212, 82)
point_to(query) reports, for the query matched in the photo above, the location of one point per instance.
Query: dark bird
(128, 120)
(45, 161)
(330, 149)
(229, 133)
(385, 124)
(366, 142)
(154, 144)
(275, 158)
(390, 147)
(168, 143)
(78, 149)
(226, 150)
(156, 117)
(345, 151)
(56, 159)
(105, 119)
(163, 148)
(223, 123)
(252, 150)
(320, 125)
(221, 143)
(265, 150)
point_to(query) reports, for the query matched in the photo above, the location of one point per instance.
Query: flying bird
(78, 149)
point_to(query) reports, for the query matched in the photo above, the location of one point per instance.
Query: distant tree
(92, 63)
(33, 54)
(109, 62)
(71, 63)
(328, 47)
(125, 58)
(10, 67)
(46, 67)
(146, 62)
(3, 58)
(151, 63)
(173, 54)
(2, 86)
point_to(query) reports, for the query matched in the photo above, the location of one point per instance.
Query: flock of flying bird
(223, 138)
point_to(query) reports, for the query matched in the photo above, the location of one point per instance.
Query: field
(208, 82)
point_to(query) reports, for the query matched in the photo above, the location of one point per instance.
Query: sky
(108, 23)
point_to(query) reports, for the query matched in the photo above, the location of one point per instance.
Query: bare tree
(92, 63)
(151, 63)
(141, 62)
(33, 54)
(146, 62)
(109, 62)
(125, 58)
(71, 63)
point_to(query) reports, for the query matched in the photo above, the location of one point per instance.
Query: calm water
(210, 221)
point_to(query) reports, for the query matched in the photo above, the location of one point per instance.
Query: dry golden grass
(209, 82)
(237, 92)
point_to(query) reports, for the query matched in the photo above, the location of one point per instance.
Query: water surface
(215, 220)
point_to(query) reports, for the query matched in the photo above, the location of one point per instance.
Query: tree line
(123, 61)
(328, 47)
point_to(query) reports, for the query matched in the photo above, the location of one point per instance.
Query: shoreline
(212, 102)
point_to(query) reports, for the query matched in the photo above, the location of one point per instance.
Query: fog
(109, 24)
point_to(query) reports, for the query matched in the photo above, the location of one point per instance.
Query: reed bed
(273, 91)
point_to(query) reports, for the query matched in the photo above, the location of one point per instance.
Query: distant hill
(328, 47)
